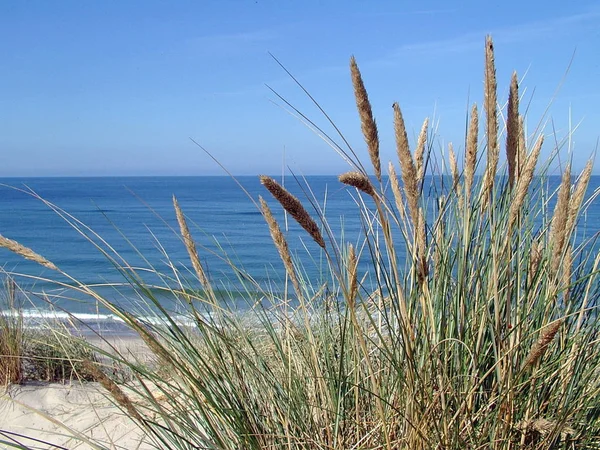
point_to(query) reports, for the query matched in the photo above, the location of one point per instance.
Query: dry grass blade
(359, 181)
(578, 195)
(541, 345)
(471, 150)
(524, 182)
(490, 107)
(367, 122)
(25, 252)
(293, 206)
(281, 244)
(420, 152)
(409, 172)
(190, 245)
(559, 220)
(512, 130)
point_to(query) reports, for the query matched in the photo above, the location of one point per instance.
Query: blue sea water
(135, 216)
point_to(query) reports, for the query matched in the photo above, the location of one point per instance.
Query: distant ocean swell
(143, 230)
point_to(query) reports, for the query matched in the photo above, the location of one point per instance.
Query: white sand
(54, 412)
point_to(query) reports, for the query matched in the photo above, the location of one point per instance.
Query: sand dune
(54, 413)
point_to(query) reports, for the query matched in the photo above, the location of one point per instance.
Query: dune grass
(48, 353)
(484, 336)
(11, 336)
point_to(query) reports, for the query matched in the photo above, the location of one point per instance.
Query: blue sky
(118, 88)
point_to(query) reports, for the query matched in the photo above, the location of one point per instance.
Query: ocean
(135, 217)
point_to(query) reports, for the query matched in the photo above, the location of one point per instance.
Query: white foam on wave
(37, 316)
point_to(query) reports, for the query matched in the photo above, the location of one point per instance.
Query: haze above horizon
(119, 88)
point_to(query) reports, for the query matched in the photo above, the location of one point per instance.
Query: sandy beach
(70, 415)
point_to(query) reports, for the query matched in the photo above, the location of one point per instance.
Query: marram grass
(484, 336)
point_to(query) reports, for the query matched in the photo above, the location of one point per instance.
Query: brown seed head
(409, 172)
(190, 245)
(281, 245)
(541, 345)
(471, 151)
(490, 106)
(294, 208)
(115, 391)
(524, 182)
(420, 152)
(559, 220)
(512, 130)
(359, 181)
(367, 122)
(25, 252)
(578, 195)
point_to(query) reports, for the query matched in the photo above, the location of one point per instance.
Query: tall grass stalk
(485, 335)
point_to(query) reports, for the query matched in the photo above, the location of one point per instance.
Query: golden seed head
(359, 181)
(367, 122)
(409, 171)
(25, 252)
(294, 208)
(512, 130)
(471, 150)
(281, 245)
(541, 345)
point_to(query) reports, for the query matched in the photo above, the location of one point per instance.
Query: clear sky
(119, 87)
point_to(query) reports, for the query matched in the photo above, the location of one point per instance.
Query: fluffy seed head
(471, 150)
(190, 245)
(281, 245)
(578, 195)
(115, 391)
(294, 208)
(541, 345)
(367, 122)
(491, 129)
(25, 252)
(420, 152)
(512, 130)
(524, 182)
(359, 181)
(409, 172)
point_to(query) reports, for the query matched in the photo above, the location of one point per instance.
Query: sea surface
(132, 219)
